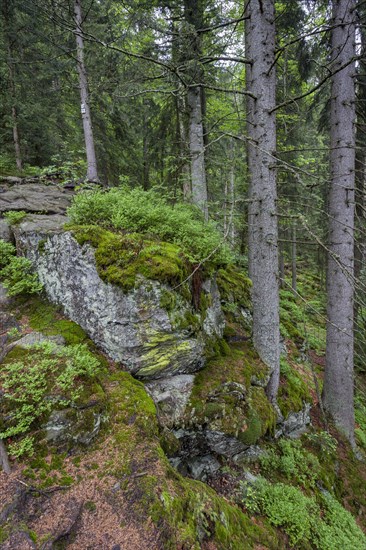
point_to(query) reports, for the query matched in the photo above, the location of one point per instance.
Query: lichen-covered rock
(73, 426)
(133, 326)
(171, 396)
(295, 424)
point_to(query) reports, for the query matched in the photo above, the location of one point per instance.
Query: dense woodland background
(173, 109)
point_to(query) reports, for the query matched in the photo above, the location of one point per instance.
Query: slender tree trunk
(92, 171)
(193, 13)
(12, 87)
(182, 137)
(293, 259)
(338, 381)
(197, 150)
(263, 231)
(281, 263)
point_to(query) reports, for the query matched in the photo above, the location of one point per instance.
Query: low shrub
(147, 213)
(46, 374)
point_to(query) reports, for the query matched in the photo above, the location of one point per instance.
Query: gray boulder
(130, 327)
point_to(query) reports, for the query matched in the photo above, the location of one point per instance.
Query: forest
(183, 274)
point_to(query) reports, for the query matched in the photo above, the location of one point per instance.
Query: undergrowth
(16, 272)
(147, 213)
(46, 375)
(321, 522)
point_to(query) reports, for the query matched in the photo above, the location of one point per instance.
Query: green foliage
(18, 277)
(293, 391)
(7, 251)
(293, 461)
(325, 525)
(146, 212)
(64, 170)
(15, 216)
(47, 374)
(360, 417)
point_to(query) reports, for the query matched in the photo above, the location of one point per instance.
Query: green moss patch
(294, 389)
(121, 258)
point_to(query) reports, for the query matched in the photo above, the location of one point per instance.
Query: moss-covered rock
(121, 258)
(224, 400)
(115, 286)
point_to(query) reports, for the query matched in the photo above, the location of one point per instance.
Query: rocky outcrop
(132, 327)
(33, 197)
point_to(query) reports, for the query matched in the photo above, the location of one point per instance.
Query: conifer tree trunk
(92, 171)
(263, 231)
(193, 11)
(338, 381)
(12, 87)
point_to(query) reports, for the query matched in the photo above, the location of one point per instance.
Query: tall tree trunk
(360, 171)
(193, 14)
(92, 171)
(293, 259)
(12, 86)
(197, 150)
(263, 231)
(338, 381)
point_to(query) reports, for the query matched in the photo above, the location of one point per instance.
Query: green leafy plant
(19, 278)
(293, 461)
(146, 212)
(15, 216)
(13, 333)
(7, 251)
(48, 374)
(325, 525)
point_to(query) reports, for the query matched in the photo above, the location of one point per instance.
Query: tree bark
(12, 87)
(338, 380)
(92, 171)
(193, 13)
(293, 260)
(262, 214)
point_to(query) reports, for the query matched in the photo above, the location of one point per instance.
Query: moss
(186, 512)
(121, 258)
(293, 391)
(47, 318)
(223, 399)
(41, 246)
(188, 321)
(234, 286)
(168, 300)
(169, 443)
